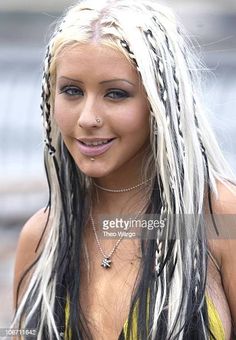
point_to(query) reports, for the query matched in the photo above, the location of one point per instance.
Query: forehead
(94, 59)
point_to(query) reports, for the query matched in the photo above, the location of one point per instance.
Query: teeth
(97, 143)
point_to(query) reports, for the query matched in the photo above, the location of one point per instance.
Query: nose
(90, 117)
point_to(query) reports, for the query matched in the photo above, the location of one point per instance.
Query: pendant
(106, 262)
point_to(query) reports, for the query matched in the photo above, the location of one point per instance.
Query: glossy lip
(93, 139)
(93, 151)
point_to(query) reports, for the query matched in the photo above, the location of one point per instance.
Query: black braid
(45, 105)
(125, 45)
(161, 79)
(149, 36)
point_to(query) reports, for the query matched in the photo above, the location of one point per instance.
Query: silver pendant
(106, 262)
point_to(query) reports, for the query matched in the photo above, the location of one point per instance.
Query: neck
(119, 182)
(121, 202)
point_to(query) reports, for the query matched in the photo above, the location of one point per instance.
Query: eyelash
(68, 89)
(119, 94)
(73, 91)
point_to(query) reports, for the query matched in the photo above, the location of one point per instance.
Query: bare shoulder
(33, 228)
(224, 248)
(26, 253)
(224, 208)
(225, 202)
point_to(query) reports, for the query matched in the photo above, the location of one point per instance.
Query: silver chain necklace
(106, 261)
(122, 190)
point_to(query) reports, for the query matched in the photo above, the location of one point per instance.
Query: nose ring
(98, 120)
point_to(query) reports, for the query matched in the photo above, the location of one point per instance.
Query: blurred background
(25, 26)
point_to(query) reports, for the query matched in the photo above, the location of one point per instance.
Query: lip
(93, 151)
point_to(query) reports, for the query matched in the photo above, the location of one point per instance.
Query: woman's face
(101, 110)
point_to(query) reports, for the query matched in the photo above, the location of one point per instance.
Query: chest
(215, 290)
(106, 295)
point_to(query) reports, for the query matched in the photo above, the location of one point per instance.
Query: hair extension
(185, 161)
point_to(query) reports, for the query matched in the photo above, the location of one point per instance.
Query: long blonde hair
(185, 160)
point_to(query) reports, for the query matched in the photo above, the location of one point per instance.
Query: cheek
(136, 120)
(63, 117)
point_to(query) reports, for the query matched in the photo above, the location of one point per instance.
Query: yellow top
(216, 326)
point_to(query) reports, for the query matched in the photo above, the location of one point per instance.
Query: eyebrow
(116, 79)
(102, 82)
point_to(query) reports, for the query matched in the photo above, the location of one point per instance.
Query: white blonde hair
(185, 160)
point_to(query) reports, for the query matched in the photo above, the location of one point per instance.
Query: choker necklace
(106, 261)
(123, 190)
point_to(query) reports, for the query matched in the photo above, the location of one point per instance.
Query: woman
(125, 135)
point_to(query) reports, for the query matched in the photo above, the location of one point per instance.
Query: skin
(79, 99)
(221, 287)
(121, 105)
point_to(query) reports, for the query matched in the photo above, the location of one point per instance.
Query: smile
(96, 143)
(94, 147)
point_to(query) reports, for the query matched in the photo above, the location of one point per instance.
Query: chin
(93, 170)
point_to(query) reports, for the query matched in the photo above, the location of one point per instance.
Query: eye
(116, 94)
(71, 91)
